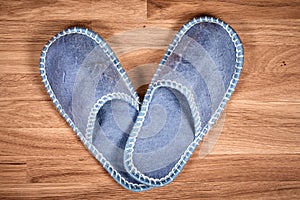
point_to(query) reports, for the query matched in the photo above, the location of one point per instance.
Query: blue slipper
(93, 93)
(189, 90)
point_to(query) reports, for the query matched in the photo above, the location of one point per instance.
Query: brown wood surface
(257, 155)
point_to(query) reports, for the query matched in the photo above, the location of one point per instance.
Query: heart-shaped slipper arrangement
(145, 146)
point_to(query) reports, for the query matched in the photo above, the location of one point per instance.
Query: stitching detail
(129, 149)
(109, 168)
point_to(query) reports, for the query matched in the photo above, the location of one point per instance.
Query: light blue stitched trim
(107, 166)
(129, 148)
(99, 104)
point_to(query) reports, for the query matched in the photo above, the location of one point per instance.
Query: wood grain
(257, 155)
(174, 9)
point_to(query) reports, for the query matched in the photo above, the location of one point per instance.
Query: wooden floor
(258, 153)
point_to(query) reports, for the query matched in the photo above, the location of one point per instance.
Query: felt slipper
(189, 90)
(92, 92)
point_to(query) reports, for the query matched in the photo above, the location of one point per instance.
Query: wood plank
(231, 140)
(264, 79)
(73, 9)
(251, 175)
(205, 190)
(243, 168)
(284, 60)
(262, 58)
(252, 32)
(218, 168)
(267, 9)
(42, 114)
(261, 52)
(265, 32)
(270, 86)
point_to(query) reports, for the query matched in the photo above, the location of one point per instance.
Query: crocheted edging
(98, 105)
(129, 148)
(105, 163)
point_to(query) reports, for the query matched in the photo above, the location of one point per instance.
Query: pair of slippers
(143, 144)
